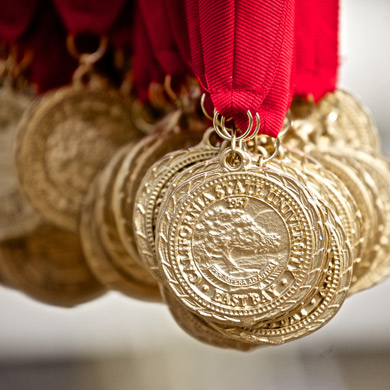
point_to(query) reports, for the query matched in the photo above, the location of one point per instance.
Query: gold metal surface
(48, 264)
(231, 254)
(322, 307)
(104, 251)
(377, 172)
(64, 139)
(339, 118)
(365, 200)
(200, 329)
(330, 188)
(152, 190)
(17, 217)
(133, 169)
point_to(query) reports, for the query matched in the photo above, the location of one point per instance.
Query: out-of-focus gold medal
(66, 137)
(17, 217)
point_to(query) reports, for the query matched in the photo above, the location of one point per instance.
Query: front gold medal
(241, 243)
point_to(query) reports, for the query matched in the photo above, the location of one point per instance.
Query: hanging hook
(168, 88)
(86, 58)
(257, 128)
(245, 136)
(286, 124)
(224, 134)
(263, 160)
(206, 114)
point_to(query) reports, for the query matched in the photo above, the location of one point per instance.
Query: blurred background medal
(48, 264)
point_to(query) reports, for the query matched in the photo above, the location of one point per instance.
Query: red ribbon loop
(327, 47)
(161, 36)
(89, 16)
(316, 32)
(52, 66)
(121, 34)
(146, 68)
(242, 54)
(176, 10)
(15, 17)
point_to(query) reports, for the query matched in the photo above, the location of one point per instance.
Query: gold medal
(104, 251)
(199, 328)
(17, 217)
(187, 176)
(227, 265)
(133, 169)
(346, 121)
(314, 314)
(377, 176)
(49, 265)
(64, 139)
(337, 119)
(152, 190)
(231, 254)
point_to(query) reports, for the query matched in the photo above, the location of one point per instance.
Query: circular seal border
(210, 310)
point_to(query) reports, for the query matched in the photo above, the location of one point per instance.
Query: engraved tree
(224, 231)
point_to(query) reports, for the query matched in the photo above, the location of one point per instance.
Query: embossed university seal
(240, 246)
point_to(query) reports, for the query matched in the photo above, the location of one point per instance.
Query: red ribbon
(242, 54)
(121, 34)
(165, 48)
(316, 32)
(146, 67)
(52, 66)
(15, 16)
(176, 10)
(89, 16)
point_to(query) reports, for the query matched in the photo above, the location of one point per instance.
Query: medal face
(63, 141)
(314, 313)
(49, 265)
(17, 217)
(240, 246)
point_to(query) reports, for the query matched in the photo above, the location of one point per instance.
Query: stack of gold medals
(249, 240)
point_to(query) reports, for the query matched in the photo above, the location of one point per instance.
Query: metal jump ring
(223, 133)
(87, 58)
(206, 114)
(286, 128)
(168, 88)
(275, 152)
(242, 136)
(254, 134)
